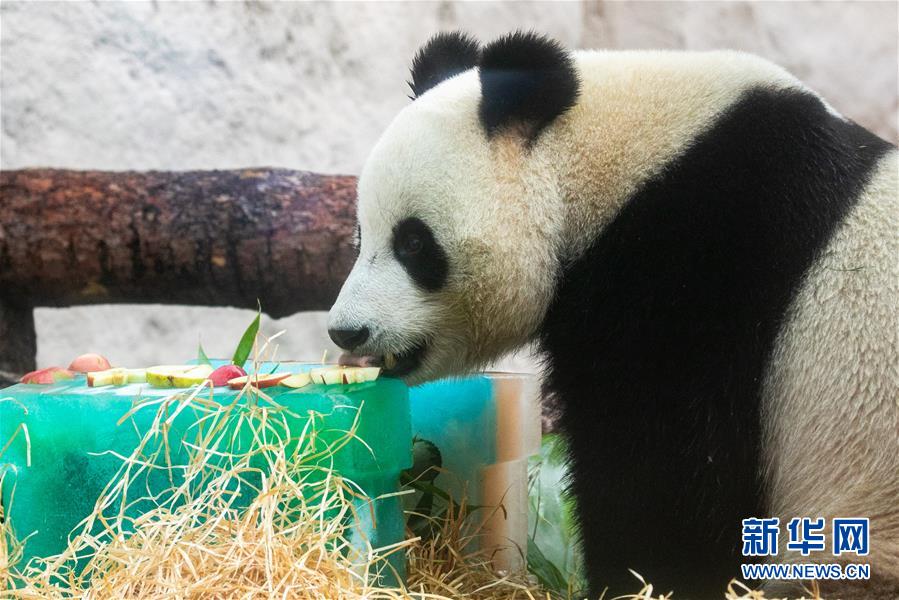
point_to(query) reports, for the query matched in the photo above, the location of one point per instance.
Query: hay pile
(199, 540)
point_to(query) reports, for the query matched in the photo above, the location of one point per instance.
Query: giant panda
(706, 255)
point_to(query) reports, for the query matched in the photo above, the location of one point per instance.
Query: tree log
(218, 238)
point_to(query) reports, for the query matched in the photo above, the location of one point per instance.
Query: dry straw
(203, 538)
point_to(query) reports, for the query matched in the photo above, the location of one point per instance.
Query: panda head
(458, 216)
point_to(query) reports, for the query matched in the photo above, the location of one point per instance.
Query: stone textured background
(161, 85)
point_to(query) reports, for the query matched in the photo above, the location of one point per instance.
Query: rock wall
(156, 85)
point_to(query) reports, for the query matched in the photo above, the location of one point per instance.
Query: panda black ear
(444, 55)
(527, 80)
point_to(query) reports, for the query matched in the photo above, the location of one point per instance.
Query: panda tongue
(351, 360)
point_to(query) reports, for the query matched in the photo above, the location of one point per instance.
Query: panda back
(661, 331)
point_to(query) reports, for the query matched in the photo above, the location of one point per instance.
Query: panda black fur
(671, 304)
(680, 323)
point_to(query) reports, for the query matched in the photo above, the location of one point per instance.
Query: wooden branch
(219, 238)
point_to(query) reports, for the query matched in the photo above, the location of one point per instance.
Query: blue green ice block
(72, 429)
(459, 417)
(485, 428)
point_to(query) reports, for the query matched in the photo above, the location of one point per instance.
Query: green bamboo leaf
(246, 341)
(545, 571)
(201, 356)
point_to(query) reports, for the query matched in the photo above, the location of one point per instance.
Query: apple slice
(327, 375)
(117, 376)
(107, 377)
(344, 375)
(178, 376)
(297, 381)
(365, 374)
(258, 381)
(137, 375)
(48, 375)
(90, 363)
(224, 374)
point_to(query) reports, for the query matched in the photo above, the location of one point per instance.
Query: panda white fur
(706, 254)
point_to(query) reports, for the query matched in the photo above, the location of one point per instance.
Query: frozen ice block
(74, 431)
(485, 427)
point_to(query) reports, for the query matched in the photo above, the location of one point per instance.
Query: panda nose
(349, 339)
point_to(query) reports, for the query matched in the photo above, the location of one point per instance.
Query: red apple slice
(259, 381)
(48, 375)
(224, 374)
(87, 363)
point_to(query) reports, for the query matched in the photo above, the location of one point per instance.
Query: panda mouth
(392, 364)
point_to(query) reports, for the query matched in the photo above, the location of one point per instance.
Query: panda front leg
(646, 505)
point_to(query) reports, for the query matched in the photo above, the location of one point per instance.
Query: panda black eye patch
(417, 250)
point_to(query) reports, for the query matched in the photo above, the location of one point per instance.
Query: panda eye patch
(416, 248)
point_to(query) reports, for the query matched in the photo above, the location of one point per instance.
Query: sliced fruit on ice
(107, 377)
(117, 376)
(137, 375)
(259, 381)
(364, 374)
(338, 375)
(167, 376)
(48, 375)
(89, 363)
(297, 381)
(224, 374)
(327, 375)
